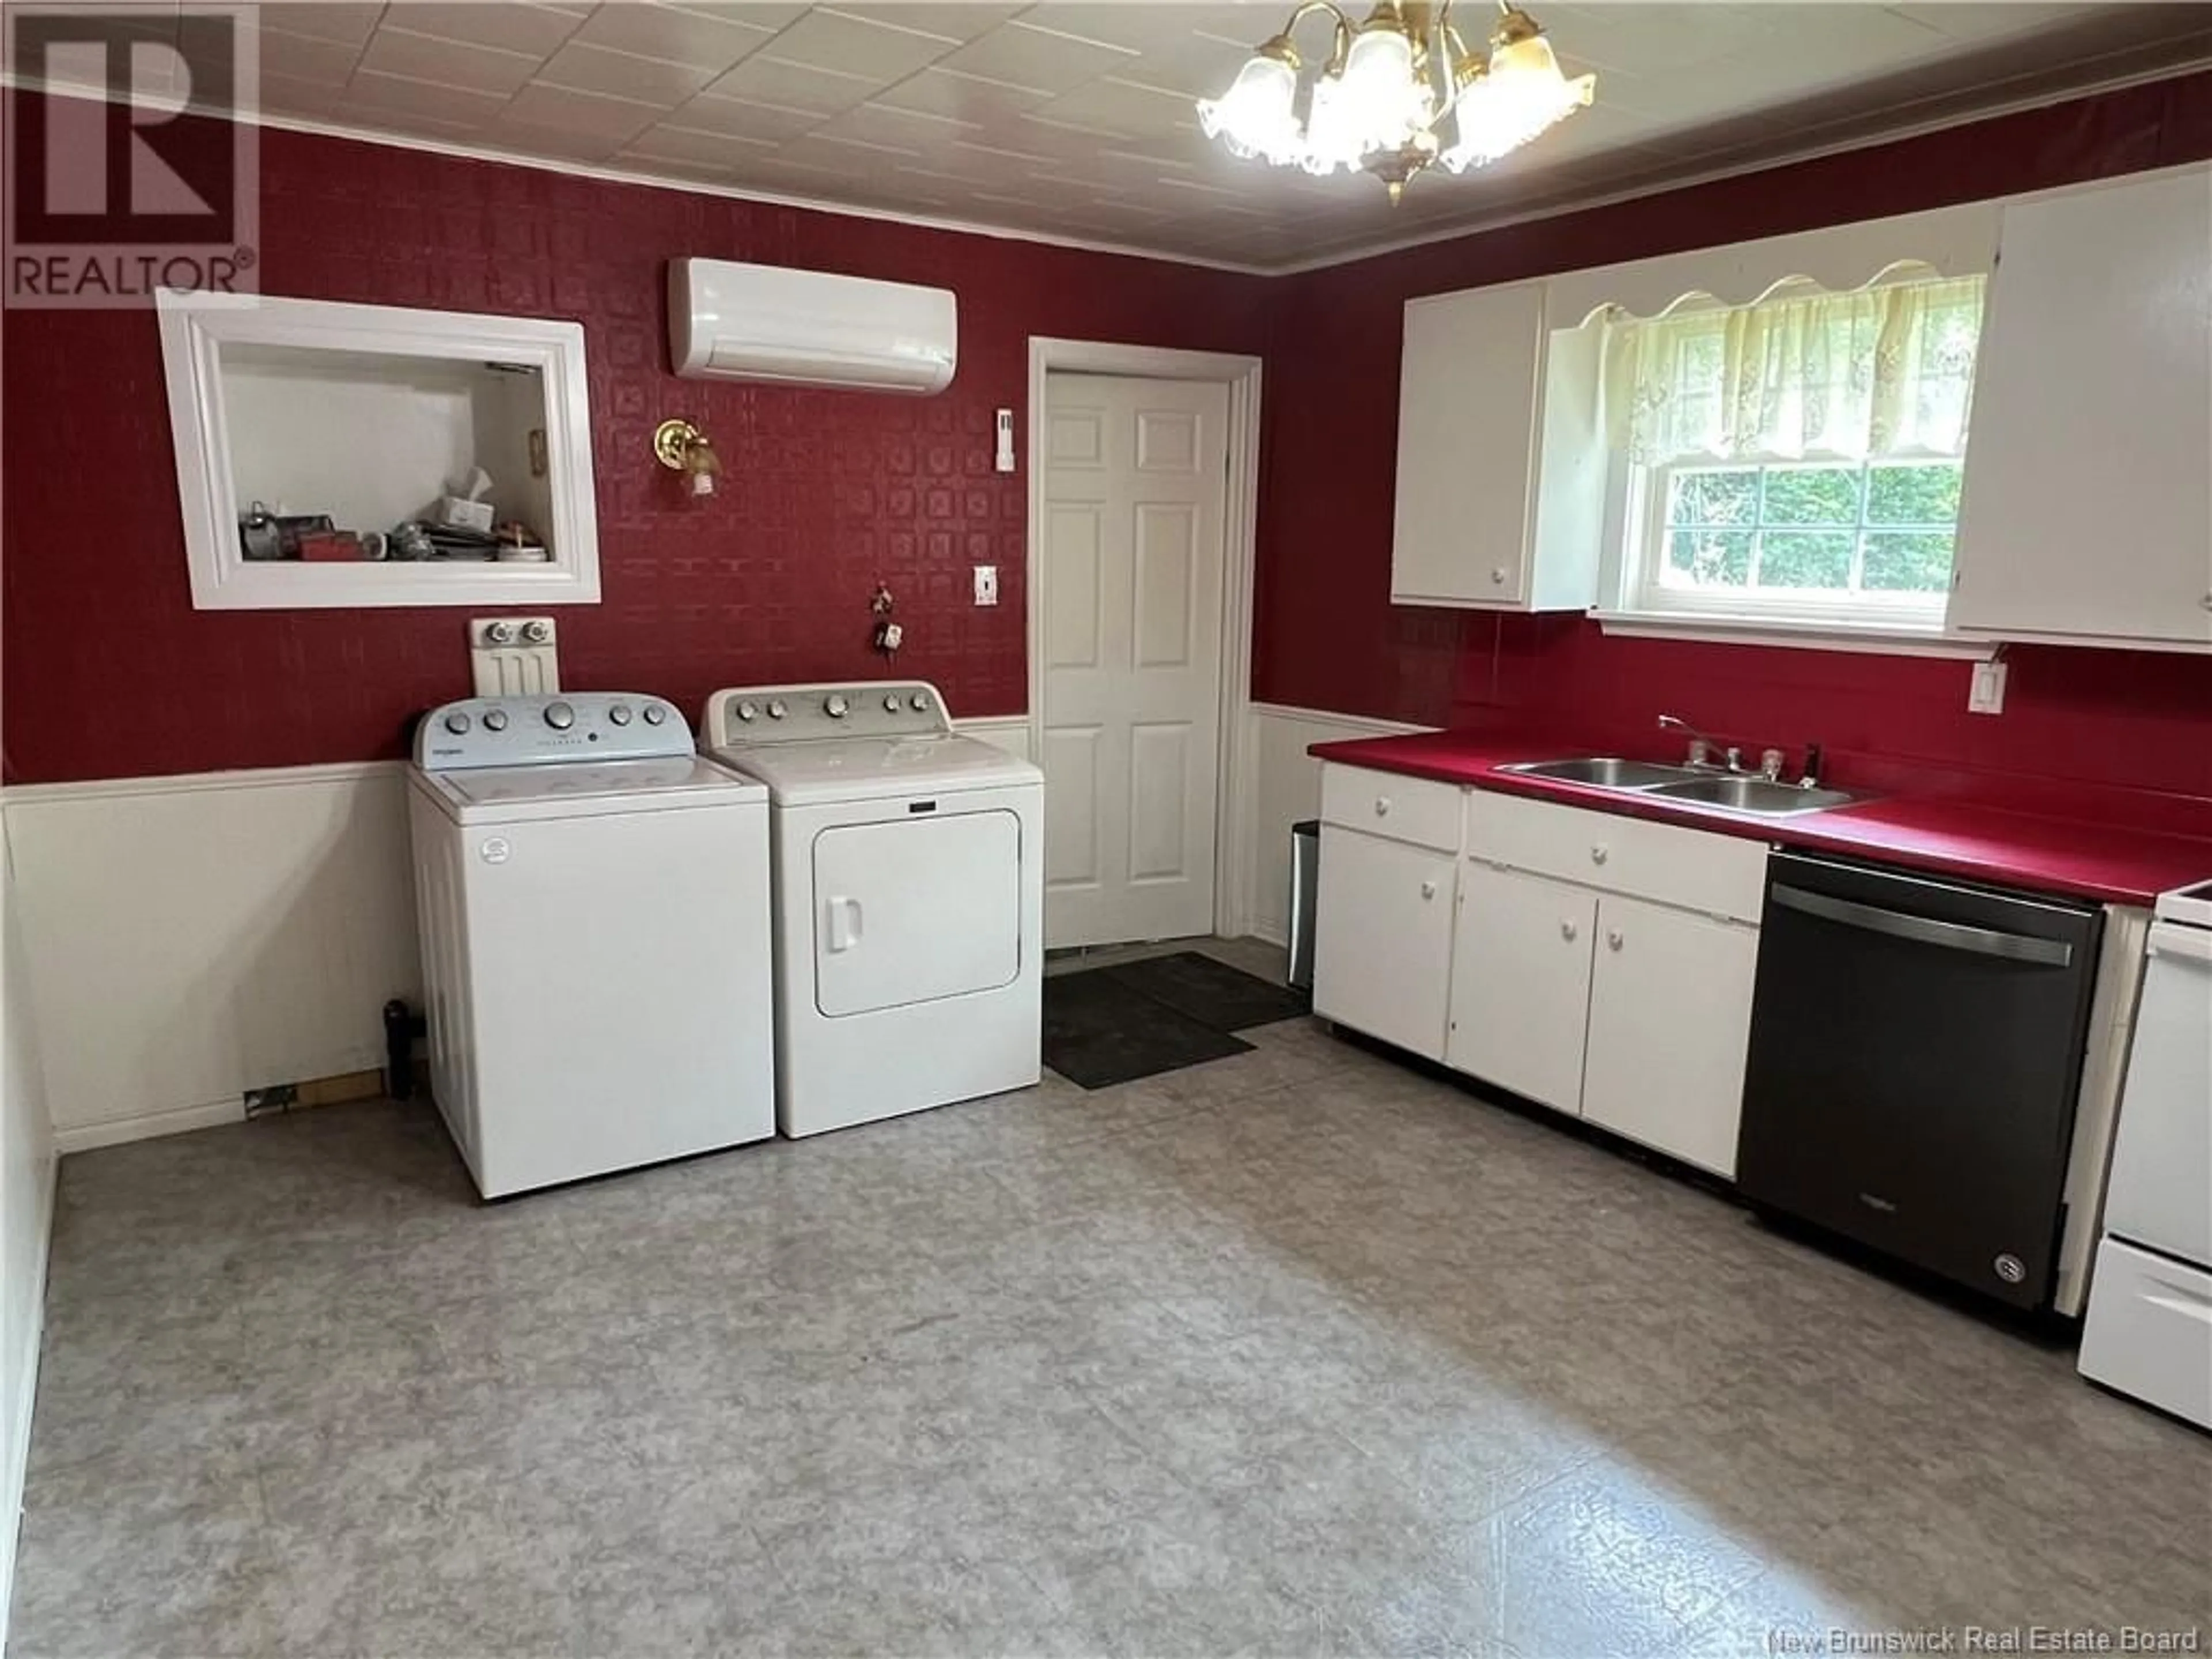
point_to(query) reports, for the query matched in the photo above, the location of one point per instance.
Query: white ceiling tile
(743, 118)
(1120, 107)
(955, 21)
(283, 95)
(585, 113)
(675, 35)
(941, 91)
(304, 58)
(623, 74)
(369, 92)
(511, 24)
(902, 129)
(326, 20)
(768, 80)
(394, 50)
(856, 45)
(1040, 59)
(709, 150)
(565, 142)
(1130, 24)
(1197, 69)
(1076, 118)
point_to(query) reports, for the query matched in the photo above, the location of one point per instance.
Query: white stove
(2149, 1332)
(909, 869)
(594, 917)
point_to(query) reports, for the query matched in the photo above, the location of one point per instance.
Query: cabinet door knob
(1613, 940)
(1381, 806)
(1567, 931)
(1599, 853)
(1498, 575)
(1428, 889)
(2206, 601)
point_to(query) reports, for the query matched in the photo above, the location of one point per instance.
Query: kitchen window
(1795, 462)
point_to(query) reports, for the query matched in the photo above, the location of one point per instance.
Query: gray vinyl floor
(1298, 1353)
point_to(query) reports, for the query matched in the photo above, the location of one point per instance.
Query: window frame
(1640, 545)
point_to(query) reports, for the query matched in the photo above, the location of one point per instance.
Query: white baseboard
(181, 1119)
(23, 1407)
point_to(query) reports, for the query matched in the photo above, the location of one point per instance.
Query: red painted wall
(1327, 637)
(109, 671)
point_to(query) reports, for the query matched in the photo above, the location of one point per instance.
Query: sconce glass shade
(1254, 117)
(1388, 100)
(1522, 94)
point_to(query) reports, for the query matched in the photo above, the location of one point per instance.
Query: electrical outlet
(987, 584)
(1986, 695)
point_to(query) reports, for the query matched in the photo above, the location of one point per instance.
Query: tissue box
(456, 513)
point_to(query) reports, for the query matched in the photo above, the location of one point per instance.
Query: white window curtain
(1882, 373)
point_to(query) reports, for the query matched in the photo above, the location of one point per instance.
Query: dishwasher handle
(1927, 930)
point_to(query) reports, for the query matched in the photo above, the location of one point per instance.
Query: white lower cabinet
(1384, 920)
(1669, 1022)
(1520, 983)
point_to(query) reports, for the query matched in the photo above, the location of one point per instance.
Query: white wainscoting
(1286, 787)
(191, 937)
(26, 1210)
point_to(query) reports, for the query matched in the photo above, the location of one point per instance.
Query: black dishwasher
(1916, 1049)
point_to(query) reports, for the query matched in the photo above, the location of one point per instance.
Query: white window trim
(1919, 630)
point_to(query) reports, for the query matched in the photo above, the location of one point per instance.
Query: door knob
(1381, 806)
(1567, 931)
(1599, 854)
(1428, 889)
(1613, 940)
(1497, 575)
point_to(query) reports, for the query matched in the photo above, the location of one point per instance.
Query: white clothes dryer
(909, 869)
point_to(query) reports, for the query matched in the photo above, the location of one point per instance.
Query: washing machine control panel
(798, 714)
(564, 726)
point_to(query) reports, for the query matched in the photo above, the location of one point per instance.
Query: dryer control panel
(790, 713)
(548, 729)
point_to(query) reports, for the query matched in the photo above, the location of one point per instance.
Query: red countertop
(2111, 862)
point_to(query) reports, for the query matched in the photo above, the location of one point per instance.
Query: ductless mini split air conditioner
(743, 322)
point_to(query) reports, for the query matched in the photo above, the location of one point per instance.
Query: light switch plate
(1986, 695)
(514, 656)
(987, 584)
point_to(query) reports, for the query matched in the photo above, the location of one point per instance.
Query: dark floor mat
(1211, 993)
(1099, 1032)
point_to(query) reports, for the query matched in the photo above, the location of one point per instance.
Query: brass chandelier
(1399, 92)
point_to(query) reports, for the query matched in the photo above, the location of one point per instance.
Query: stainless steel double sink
(1730, 791)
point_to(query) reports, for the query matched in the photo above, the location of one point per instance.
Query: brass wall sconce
(681, 448)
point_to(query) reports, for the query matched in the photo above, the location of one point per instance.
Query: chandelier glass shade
(1398, 93)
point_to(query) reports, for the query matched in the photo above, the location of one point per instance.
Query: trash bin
(1305, 888)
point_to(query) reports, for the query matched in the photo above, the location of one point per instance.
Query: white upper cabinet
(308, 432)
(2088, 508)
(1501, 465)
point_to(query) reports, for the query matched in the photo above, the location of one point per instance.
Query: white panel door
(1384, 940)
(1135, 480)
(1670, 1021)
(1521, 981)
(2088, 508)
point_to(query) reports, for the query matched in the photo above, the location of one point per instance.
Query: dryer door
(916, 910)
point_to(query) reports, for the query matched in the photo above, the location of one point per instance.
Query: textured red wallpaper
(1327, 637)
(109, 671)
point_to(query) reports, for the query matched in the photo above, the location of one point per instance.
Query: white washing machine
(909, 867)
(593, 901)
